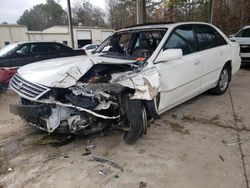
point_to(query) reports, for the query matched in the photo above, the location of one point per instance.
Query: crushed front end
(99, 99)
(85, 105)
(117, 86)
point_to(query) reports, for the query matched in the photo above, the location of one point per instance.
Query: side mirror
(232, 39)
(169, 54)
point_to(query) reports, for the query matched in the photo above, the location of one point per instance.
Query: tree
(122, 13)
(88, 15)
(43, 16)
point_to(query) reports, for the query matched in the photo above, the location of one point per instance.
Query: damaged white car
(133, 76)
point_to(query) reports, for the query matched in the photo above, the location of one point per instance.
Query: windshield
(7, 49)
(132, 44)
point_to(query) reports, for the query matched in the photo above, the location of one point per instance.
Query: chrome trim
(26, 89)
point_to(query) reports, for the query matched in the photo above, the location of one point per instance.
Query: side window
(36, 49)
(54, 48)
(182, 38)
(24, 50)
(208, 37)
(220, 40)
(240, 34)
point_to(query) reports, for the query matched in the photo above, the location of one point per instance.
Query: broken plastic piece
(10, 169)
(102, 173)
(90, 146)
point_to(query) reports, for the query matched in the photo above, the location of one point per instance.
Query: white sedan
(136, 74)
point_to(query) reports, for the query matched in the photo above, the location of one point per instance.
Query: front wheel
(223, 82)
(136, 118)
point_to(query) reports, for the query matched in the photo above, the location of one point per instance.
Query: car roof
(42, 42)
(246, 27)
(161, 25)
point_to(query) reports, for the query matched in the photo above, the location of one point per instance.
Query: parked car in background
(243, 38)
(136, 74)
(89, 48)
(16, 55)
(5, 76)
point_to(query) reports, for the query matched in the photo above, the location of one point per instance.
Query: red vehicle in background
(5, 76)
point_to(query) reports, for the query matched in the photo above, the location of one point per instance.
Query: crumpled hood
(63, 72)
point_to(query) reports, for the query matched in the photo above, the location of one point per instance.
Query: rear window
(182, 38)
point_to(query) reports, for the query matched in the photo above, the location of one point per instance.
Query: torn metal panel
(46, 101)
(64, 72)
(145, 83)
(59, 113)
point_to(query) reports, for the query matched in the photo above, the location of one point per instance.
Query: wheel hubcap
(224, 80)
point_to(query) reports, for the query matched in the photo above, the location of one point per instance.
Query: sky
(11, 10)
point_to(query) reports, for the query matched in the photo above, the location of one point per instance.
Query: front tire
(223, 82)
(136, 118)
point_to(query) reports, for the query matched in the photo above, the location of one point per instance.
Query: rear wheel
(223, 82)
(136, 118)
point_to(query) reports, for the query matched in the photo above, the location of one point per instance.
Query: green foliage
(43, 16)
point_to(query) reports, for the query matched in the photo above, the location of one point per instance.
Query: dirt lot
(203, 143)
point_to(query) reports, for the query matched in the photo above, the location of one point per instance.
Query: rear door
(180, 79)
(213, 49)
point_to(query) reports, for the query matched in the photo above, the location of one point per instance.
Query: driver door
(180, 79)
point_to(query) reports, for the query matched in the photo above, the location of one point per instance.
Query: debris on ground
(103, 173)
(142, 184)
(90, 146)
(221, 158)
(116, 176)
(87, 152)
(54, 156)
(10, 169)
(236, 143)
(101, 160)
(87, 142)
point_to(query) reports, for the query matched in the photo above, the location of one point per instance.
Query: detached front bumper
(35, 111)
(36, 115)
